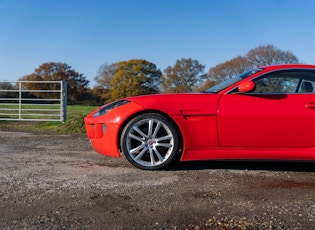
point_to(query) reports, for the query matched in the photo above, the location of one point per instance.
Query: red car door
(271, 121)
(278, 114)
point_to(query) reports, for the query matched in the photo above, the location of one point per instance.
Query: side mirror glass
(246, 87)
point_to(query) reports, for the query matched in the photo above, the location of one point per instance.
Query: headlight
(109, 107)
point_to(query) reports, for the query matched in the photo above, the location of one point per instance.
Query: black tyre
(150, 141)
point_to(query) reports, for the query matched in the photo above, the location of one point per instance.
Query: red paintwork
(107, 142)
(222, 125)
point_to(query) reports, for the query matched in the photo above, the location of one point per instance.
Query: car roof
(288, 66)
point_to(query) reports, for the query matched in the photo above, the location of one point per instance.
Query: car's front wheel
(150, 141)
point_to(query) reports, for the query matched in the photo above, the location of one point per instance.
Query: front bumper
(103, 137)
(103, 131)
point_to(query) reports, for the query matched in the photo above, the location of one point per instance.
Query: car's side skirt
(248, 153)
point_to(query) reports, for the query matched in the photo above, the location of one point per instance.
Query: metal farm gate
(33, 100)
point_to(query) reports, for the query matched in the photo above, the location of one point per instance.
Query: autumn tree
(183, 76)
(57, 71)
(270, 55)
(104, 76)
(134, 77)
(228, 69)
(260, 56)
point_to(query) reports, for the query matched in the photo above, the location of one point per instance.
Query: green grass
(74, 123)
(75, 116)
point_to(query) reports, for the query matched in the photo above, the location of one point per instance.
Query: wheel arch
(181, 144)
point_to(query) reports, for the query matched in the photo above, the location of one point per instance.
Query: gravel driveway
(59, 182)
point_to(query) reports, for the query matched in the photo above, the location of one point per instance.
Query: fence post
(64, 100)
(20, 100)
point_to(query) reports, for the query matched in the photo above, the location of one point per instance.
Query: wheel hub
(151, 142)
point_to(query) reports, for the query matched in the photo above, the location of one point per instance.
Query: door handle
(310, 105)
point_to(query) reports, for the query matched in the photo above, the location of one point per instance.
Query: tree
(270, 55)
(183, 76)
(230, 68)
(259, 56)
(104, 76)
(53, 71)
(134, 77)
(7, 86)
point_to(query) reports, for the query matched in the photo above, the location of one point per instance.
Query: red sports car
(265, 113)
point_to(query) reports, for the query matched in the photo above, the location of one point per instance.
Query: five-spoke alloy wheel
(150, 141)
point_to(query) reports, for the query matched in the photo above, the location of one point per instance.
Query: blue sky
(88, 33)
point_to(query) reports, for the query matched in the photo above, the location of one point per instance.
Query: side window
(306, 86)
(285, 82)
(276, 85)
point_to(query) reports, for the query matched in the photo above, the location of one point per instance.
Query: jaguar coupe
(267, 113)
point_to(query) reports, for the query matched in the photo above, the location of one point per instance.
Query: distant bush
(72, 125)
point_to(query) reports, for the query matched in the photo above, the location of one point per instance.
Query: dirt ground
(59, 182)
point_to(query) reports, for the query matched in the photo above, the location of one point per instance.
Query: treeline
(138, 77)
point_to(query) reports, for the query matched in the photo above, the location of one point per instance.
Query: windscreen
(231, 81)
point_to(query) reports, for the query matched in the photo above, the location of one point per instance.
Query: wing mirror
(246, 87)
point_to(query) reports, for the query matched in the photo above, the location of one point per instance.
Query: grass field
(73, 124)
(74, 110)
